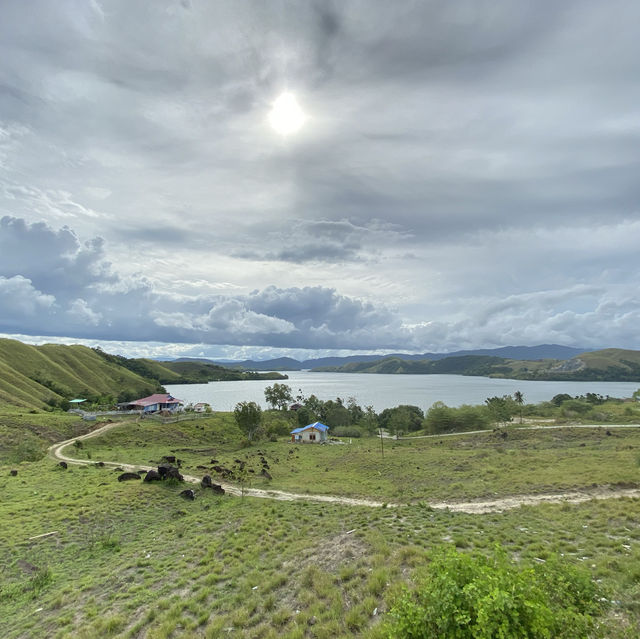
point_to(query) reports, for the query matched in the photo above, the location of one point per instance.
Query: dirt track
(475, 507)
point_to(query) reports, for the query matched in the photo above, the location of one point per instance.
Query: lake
(387, 391)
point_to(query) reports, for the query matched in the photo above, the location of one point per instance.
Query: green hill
(37, 376)
(185, 372)
(612, 364)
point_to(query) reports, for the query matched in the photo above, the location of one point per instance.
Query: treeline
(347, 418)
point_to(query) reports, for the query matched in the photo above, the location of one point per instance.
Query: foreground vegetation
(84, 555)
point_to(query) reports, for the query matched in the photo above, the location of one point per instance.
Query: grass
(462, 467)
(134, 560)
(31, 375)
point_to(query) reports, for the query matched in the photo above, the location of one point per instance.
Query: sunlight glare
(286, 116)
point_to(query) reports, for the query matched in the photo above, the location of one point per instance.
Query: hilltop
(603, 365)
(41, 376)
(37, 377)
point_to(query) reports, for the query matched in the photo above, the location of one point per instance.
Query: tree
(355, 410)
(278, 396)
(500, 408)
(518, 398)
(248, 416)
(370, 420)
(410, 416)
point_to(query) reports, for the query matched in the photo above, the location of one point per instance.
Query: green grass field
(460, 468)
(135, 560)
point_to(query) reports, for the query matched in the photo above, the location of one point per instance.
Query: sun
(286, 116)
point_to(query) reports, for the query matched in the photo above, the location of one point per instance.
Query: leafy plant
(483, 597)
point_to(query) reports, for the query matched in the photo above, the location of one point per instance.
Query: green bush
(478, 597)
(347, 431)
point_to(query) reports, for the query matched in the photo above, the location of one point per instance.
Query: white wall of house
(312, 436)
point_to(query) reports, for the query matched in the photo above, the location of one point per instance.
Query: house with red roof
(155, 403)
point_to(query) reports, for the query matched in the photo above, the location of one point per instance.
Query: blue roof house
(311, 434)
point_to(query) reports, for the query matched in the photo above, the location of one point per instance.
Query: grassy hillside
(604, 365)
(32, 376)
(135, 560)
(184, 372)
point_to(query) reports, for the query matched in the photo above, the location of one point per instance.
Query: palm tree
(518, 397)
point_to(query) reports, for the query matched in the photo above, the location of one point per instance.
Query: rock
(201, 467)
(169, 472)
(163, 469)
(169, 458)
(178, 462)
(62, 464)
(609, 433)
(141, 472)
(265, 474)
(206, 481)
(188, 494)
(128, 476)
(217, 488)
(100, 464)
(153, 475)
(13, 472)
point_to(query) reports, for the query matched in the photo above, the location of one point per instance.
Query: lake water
(387, 391)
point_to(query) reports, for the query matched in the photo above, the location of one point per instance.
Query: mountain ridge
(541, 351)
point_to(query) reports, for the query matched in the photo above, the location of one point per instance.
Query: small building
(311, 434)
(155, 403)
(201, 407)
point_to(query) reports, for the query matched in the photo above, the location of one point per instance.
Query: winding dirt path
(476, 507)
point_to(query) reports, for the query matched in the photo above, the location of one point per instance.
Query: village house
(311, 434)
(154, 403)
(201, 407)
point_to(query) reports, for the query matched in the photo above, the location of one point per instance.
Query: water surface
(386, 391)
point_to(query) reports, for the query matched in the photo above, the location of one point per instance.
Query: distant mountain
(543, 351)
(604, 365)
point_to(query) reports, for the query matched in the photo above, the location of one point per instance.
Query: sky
(459, 175)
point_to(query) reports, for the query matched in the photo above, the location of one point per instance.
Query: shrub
(347, 431)
(468, 595)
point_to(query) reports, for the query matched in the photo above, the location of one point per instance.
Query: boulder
(169, 458)
(128, 476)
(265, 474)
(217, 488)
(169, 472)
(206, 481)
(100, 464)
(153, 475)
(62, 464)
(188, 494)
(13, 472)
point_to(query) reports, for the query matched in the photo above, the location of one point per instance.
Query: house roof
(317, 425)
(157, 398)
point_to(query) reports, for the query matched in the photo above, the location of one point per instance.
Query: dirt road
(475, 507)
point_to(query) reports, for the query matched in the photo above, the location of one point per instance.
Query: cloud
(467, 175)
(20, 299)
